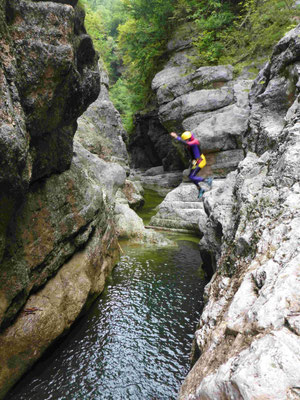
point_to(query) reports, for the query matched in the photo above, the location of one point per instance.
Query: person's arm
(175, 136)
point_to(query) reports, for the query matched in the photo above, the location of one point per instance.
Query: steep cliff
(57, 235)
(248, 334)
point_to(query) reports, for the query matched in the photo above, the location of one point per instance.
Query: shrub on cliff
(231, 33)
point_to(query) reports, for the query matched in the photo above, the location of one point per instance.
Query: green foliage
(122, 98)
(251, 33)
(141, 41)
(101, 21)
(132, 34)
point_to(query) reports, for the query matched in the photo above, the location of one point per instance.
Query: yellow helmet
(186, 135)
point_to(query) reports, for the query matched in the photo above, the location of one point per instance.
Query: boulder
(155, 179)
(133, 191)
(180, 210)
(130, 226)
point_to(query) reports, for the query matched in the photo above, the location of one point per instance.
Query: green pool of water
(152, 200)
(135, 342)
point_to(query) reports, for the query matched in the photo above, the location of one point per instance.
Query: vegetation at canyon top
(131, 37)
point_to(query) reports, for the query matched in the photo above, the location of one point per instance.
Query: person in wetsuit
(197, 157)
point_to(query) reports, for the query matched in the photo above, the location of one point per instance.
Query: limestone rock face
(64, 237)
(57, 233)
(48, 76)
(208, 101)
(100, 129)
(248, 334)
(56, 220)
(212, 105)
(57, 77)
(180, 210)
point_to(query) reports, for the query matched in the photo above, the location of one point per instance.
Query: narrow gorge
(72, 180)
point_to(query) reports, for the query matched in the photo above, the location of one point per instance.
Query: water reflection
(135, 342)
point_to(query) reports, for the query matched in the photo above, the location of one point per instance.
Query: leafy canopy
(131, 36)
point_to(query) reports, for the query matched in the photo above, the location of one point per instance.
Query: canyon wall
(248, 335)
(57, 234)
(248, 222)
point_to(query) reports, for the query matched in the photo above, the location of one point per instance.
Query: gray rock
(130, 226)
(56, 82)
(100, 128)
(57, 218)
(180, 210)
(223, 131)
(173, 82)
(154, 171)
(273, 93)
(133, 191)
(172, 113)
(56, 246)
(49, 76)
(162, 183)
(248, 334)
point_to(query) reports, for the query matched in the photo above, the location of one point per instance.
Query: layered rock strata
(209, 101)
(211, 104)
(248, 334)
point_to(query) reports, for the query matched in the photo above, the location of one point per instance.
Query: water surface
(135, 342)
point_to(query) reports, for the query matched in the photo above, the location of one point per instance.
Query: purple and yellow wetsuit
(198, 159)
